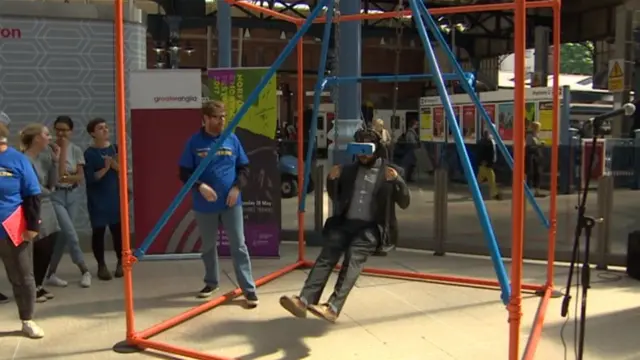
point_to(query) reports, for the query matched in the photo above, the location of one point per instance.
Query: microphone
(627, 109)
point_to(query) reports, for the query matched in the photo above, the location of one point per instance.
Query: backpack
(402, 138)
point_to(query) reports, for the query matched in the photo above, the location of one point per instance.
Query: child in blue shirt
(217, 197)
(103, 195)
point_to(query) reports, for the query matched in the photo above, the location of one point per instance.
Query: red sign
(438, 122)
(597, 170)
(10, 33)
(491, 112)
(154, 188)
(469, 121)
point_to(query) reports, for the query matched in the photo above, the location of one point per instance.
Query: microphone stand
(584, 224)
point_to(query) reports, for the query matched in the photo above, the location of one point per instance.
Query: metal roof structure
(486, 34)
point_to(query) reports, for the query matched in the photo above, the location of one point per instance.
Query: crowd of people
(41, 177)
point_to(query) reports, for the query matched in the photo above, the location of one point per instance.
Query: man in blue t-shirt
(217, 197)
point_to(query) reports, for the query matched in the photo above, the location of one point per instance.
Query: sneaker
(32, 330)
(47, 294)
(294, 305)
(118, 273)
(54, 280)
(85, 281)
(41, 295)
(207, 291)
(324, 311)
(103, 273)
(3, 299)
(252, 300)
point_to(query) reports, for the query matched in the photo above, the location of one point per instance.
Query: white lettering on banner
(10, 33)
(175, 99)
(165, 89)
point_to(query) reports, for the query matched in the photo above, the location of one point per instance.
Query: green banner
(233, 87)
(257, 133)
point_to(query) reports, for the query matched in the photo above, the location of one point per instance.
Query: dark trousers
(97, 242)
(409, 161)
(357, 240)
(18, 263)
(42, 252)
(534, 170)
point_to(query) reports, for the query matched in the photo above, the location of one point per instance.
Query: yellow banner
(426, 124)
(545, 118)
(233, 86)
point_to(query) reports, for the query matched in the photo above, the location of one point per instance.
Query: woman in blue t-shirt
(103, 196)
(19, 187)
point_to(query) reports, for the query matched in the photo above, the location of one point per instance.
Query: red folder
(15, 225)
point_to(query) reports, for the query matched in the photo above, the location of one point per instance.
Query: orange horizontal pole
(444, 279)
(538, 325)
(460, 280)
(177, 350)
(266, 11)
(441, 11)
(190, 314)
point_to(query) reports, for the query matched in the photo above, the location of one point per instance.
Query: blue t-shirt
(103, 195)
(220, 174)
(17, 180)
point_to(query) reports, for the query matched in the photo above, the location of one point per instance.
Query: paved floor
(384, 319)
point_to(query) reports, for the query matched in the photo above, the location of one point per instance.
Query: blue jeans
(66, 204)
(233, 223)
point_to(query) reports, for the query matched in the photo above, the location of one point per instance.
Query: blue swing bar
(419, 9)
(394, 78)
(251, 99)
(431, 24)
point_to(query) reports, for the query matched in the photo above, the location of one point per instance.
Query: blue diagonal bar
(490, 237)
(320, 84)
(389, 78)
(433, 27)
(251, 99)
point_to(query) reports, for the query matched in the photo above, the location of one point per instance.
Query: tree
(576, 58)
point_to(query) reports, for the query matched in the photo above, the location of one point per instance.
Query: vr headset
(366, 142)
(356, 148)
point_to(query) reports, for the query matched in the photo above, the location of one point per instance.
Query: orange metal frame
(141, 340)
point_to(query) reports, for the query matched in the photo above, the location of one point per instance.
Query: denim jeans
(233, 224)
(66, 204)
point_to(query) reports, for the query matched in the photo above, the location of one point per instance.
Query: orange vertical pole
(517, 235)
(299, 125)
(121, 129)
(553, 210)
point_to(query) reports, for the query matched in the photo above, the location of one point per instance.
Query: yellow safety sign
(616, 75)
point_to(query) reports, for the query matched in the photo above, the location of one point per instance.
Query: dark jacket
(533, 151)
(486, 152)
(340, 191)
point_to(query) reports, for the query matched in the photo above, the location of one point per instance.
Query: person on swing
(362, 192)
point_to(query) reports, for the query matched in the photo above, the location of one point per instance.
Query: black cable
(581, 267)
(604, 277)
(586, 224)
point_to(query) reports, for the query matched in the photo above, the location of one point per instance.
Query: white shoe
(54, 280)
(32, 330)
(85, 281)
